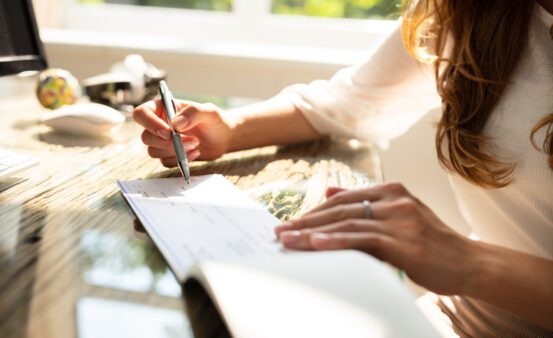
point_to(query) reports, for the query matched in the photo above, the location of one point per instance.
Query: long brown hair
(488, 39)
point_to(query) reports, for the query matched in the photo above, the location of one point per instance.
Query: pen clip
(175, 112)
(174, 107)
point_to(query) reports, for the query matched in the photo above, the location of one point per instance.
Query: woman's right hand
(205, 134)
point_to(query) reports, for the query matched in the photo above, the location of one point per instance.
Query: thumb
(194, 114)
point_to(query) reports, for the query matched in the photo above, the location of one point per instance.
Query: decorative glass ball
(57, 87)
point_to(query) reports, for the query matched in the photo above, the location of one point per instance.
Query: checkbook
(221, 246)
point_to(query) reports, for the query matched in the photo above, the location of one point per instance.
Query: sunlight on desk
(68, 238)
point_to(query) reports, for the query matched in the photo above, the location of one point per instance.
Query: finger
(194, 155)
(387, 190)
(194, 114)
(155, 141)
(327, 216)
(302, 239)
(171, 162)
(150, 116)
(402, 208)
(378, 245)
(170, 151)
(349, 196)
(138, 226)
(332, 190)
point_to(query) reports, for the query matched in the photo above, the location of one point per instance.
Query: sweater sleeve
(376, 100)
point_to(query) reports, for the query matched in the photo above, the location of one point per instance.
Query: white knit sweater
(382, 97)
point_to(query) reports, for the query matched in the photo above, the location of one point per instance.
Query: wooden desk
(72, 263)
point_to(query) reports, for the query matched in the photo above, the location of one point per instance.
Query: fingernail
(190, 145)
(290, 237)
(320, 240)
(180, 122)
(193, 155)
(164, 134)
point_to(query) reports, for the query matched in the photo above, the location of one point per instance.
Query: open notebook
(220, 244)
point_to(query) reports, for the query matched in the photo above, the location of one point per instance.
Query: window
(210, 5)
(250, 48)
(354, 9)
(330, 24)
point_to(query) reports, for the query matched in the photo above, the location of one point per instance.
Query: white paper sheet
(210, 219)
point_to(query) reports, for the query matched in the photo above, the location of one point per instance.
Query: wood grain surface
(73, 261)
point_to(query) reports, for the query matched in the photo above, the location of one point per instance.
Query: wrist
(233, 120)
(481, 268)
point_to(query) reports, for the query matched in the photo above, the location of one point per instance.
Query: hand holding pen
(170, 110)
(205, 135)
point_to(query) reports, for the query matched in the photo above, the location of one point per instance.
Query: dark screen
(5, 40)
(20, 46)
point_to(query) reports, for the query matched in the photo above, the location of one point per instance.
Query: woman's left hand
(401, 230)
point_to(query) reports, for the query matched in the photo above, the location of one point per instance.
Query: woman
(491, 65)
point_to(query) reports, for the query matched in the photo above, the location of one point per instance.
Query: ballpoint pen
(170, 111)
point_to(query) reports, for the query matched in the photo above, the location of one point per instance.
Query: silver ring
(368, 211)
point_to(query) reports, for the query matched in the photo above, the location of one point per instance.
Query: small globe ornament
(57, 87)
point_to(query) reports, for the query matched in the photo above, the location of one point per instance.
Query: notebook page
(208, 220)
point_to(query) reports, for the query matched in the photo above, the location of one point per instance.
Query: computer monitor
(20, 46)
